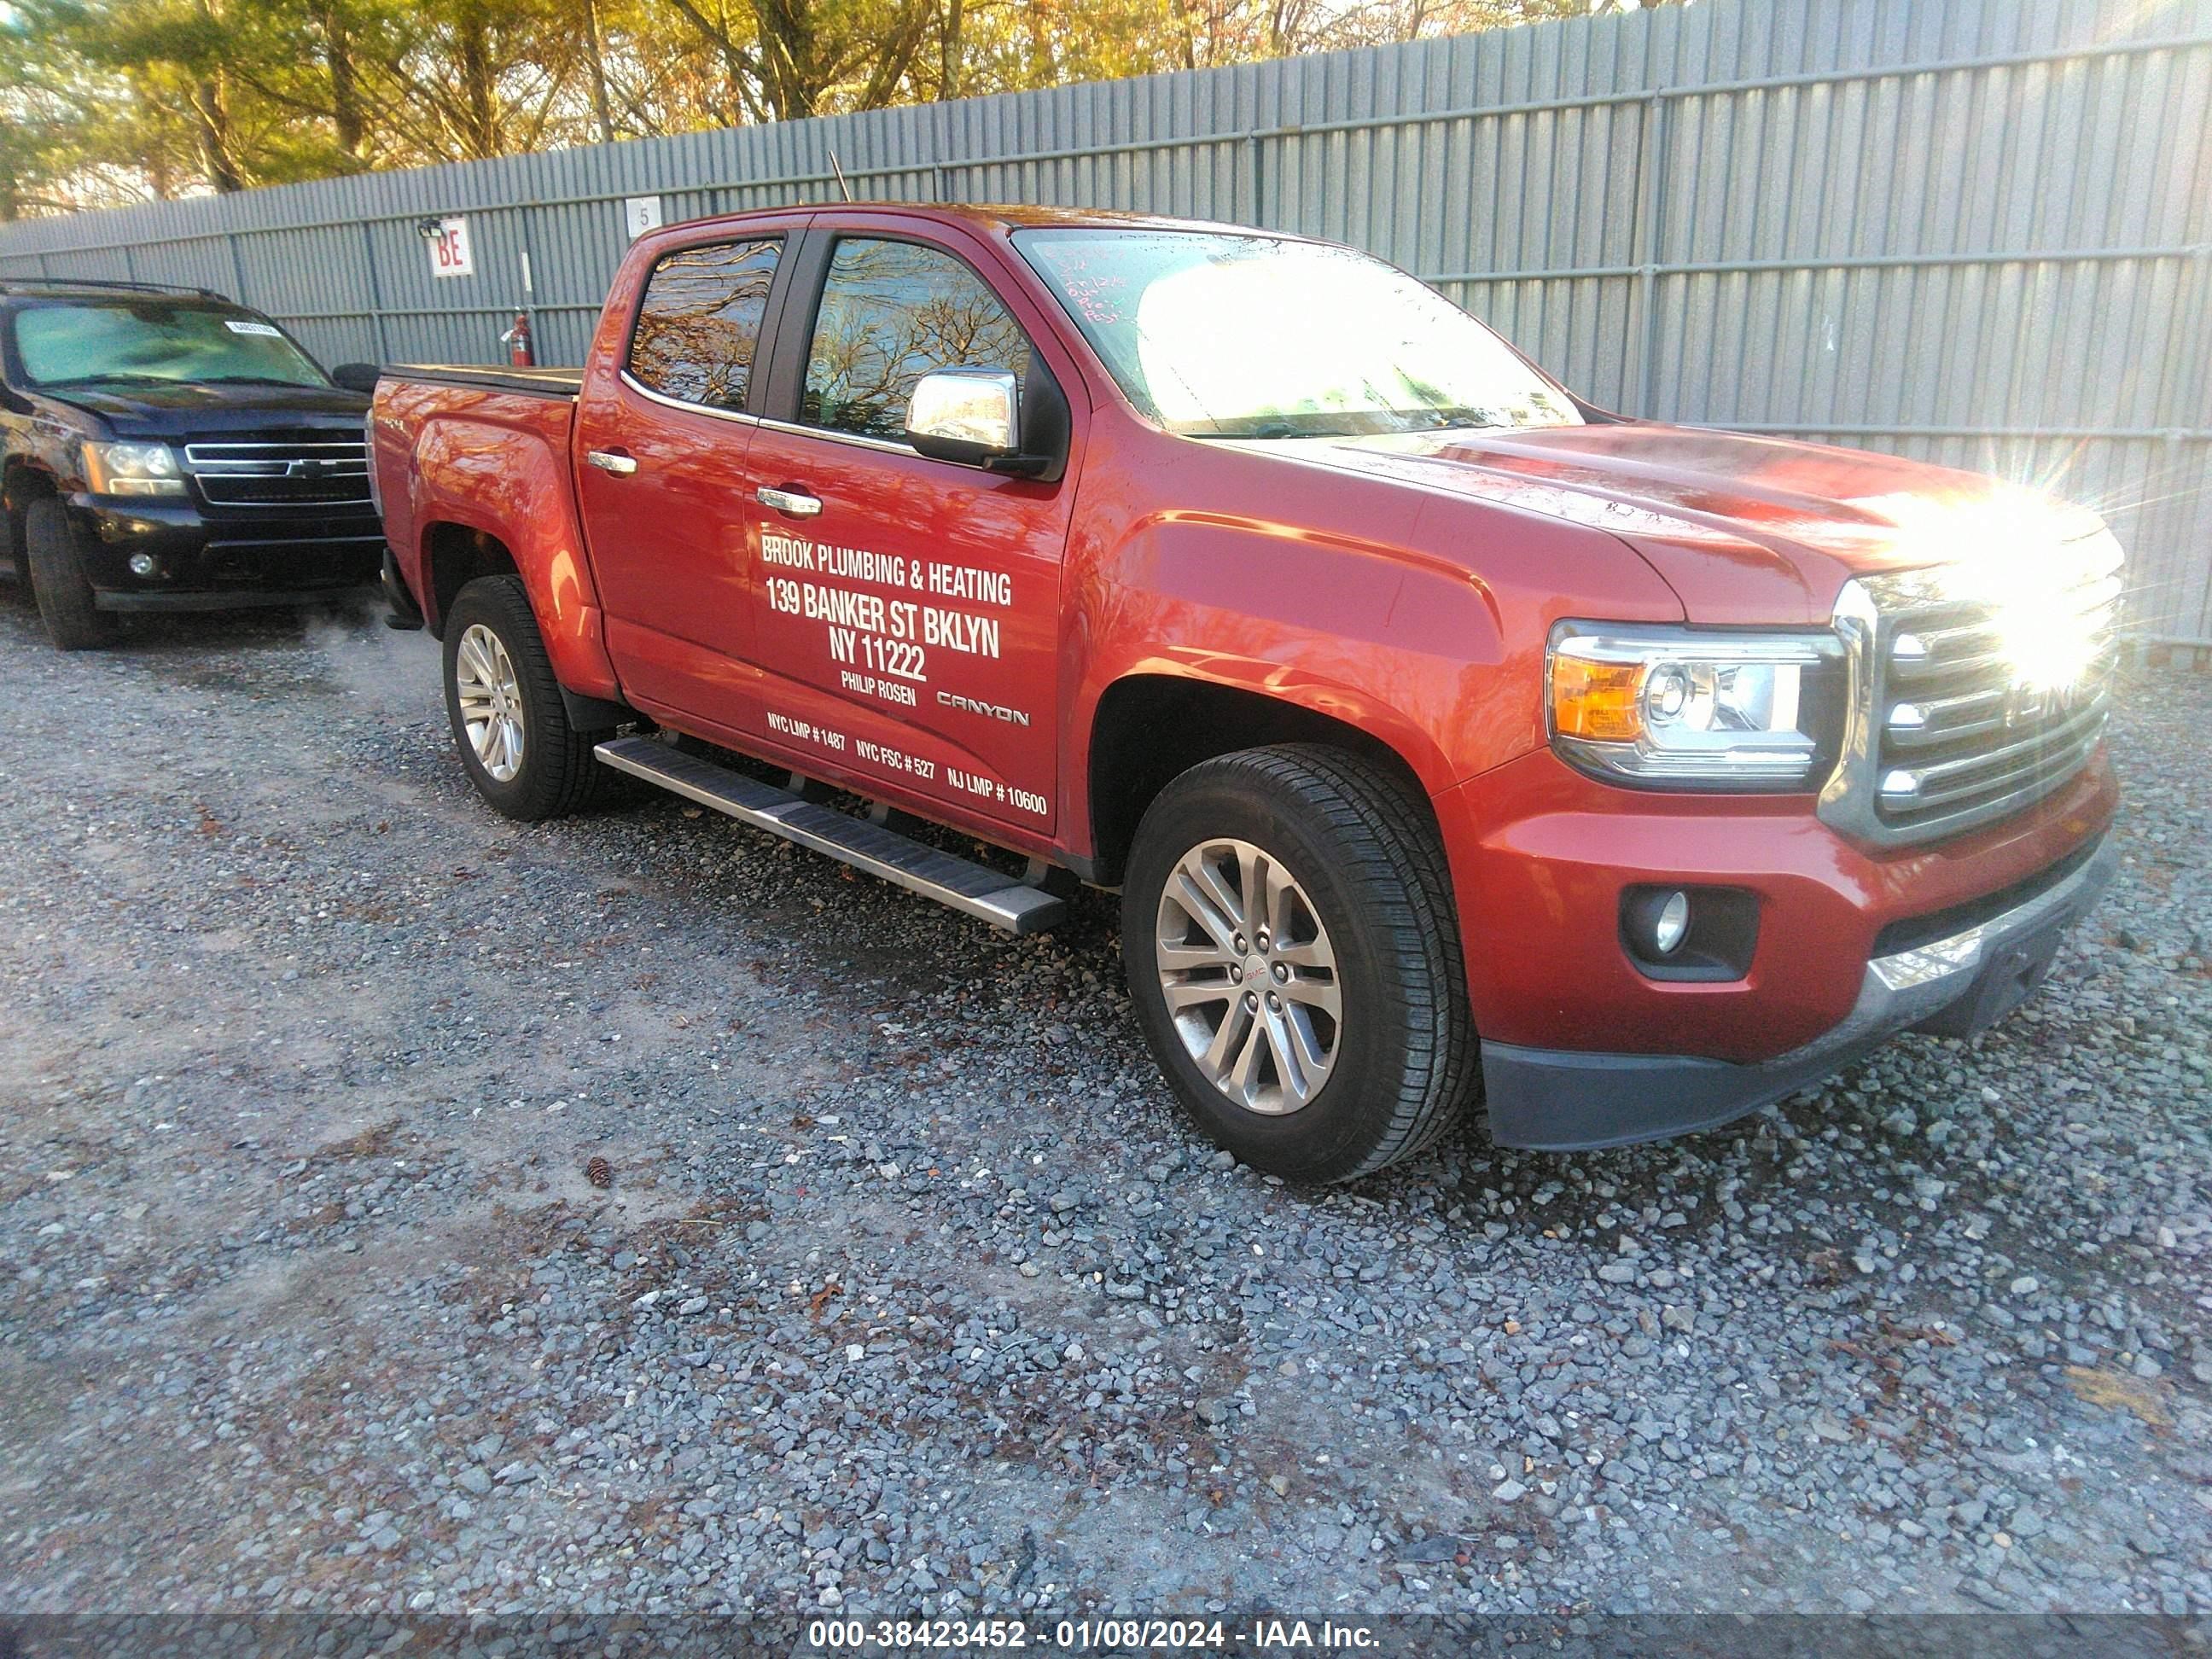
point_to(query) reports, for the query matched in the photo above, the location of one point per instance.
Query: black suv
(167, 450)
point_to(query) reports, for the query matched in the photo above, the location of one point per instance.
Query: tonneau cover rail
(532, 382)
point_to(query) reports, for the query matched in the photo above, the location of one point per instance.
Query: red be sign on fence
(449, 248)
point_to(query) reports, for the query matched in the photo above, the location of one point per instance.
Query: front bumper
(1953, 985)
(206, 563)
(1584, 1048)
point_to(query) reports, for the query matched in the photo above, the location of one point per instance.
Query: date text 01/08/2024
(1084, 1635)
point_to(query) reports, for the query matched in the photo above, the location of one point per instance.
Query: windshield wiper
(111, 379)
(257, 380)
(1272, 429)
(1461, 415)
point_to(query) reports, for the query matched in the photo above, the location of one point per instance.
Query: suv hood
(1745, 529)
(191, 409)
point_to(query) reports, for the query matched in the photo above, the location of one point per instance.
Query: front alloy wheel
(1249, 976)
(1293, 950)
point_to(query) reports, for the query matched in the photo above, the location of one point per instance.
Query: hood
(1745, 529)
(193, 407)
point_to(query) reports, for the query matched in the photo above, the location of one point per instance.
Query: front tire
(1293, 953)
(73, 619)
(504, 706)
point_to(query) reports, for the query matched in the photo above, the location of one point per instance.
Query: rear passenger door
(663, 429)
(908, 608)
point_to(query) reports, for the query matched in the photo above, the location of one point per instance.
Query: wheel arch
(454, 556)
(23, 482)
(491, 495)
(1149, 727)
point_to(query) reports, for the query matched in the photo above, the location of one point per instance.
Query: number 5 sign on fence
(450, 254)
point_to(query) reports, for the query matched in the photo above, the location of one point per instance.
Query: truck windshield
(1217, 335)
(151, 341)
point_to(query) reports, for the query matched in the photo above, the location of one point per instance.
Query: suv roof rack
(11, 284)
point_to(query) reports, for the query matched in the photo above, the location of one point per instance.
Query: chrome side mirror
(968, 415)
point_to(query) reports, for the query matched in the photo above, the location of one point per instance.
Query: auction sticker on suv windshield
(925, 644)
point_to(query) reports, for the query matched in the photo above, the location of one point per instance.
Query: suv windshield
(1216, 335)
(170, 342)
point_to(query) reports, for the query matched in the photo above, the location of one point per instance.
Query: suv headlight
(1669, 708)
(132, 470)
(368, 449)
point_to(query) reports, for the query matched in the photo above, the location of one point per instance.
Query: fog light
(1655, 922)
(1689, 933)
(144, 564)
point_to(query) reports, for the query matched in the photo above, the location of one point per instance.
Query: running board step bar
(975, 890)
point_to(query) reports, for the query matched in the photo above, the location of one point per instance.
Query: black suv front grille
(317, 472)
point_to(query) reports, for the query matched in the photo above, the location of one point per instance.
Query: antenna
(844, 188)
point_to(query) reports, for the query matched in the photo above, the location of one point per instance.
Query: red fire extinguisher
(517, 341)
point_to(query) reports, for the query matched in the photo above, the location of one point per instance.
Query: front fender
(1407, 649)
(1395, 605)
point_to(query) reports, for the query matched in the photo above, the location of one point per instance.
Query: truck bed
(435, 429)
(493, 377)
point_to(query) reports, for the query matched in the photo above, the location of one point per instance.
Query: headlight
(368, 448)
(132, 470)
(1671, 709)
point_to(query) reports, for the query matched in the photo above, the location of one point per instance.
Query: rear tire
(1354, 1047)
(73, 620)
(505, 708)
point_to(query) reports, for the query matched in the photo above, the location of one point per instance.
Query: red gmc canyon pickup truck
(1448, 738)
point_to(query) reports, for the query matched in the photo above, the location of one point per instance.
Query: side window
(891, 311)
(700, 322)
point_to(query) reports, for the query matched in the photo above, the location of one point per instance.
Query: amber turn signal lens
(1597, 700)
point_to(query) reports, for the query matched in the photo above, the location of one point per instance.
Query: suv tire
(505, 708)
(1348, 1041)
(74, 621)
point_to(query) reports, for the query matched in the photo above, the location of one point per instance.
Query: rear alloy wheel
(1292, 950)
(489, 694)
(509, 719)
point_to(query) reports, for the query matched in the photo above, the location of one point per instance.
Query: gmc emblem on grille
(2025, 704)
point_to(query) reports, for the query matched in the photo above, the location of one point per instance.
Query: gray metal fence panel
(1978, 232)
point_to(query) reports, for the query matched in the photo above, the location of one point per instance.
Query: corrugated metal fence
(1978, 231)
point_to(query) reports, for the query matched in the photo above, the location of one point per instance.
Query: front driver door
(907, 621)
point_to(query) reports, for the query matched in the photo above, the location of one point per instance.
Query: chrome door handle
(607, 461)
(789, 500)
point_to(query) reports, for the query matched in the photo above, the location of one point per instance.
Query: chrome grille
(294, 472)
(1976, 705)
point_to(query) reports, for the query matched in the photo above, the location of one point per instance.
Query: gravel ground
(405, 1210)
